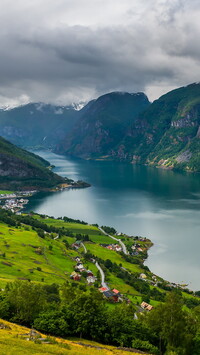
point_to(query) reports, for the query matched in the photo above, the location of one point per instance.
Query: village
(111, 295)
(15, 201)
(14, 204)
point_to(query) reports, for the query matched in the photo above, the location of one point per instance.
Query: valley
(61, 276)
(66, 263)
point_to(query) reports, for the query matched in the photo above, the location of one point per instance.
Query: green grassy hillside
(19, 256)
(37, 259)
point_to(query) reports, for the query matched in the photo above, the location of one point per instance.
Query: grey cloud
(59, 52)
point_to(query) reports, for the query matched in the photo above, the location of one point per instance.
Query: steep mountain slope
(167, 133)
(20, 169)
(37, 124)
(103, 124)
(126, 127)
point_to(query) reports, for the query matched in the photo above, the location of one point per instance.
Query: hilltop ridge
(23, 170)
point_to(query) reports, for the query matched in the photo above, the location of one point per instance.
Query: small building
(76, 245)
(79, 266)
(103, 289)
(146, 306)
(117, 295)
(75, 276)
(143, 276)
(89, 273)
(111, 295)
(118, 248)
(91, 279)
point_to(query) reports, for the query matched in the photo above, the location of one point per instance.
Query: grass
(105, 253)
(13, 341)
(18, 257)
(6, 192)
(115, 282)
(18, 248)
(75, 227)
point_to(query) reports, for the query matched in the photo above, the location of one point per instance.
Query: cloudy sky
(63, 51)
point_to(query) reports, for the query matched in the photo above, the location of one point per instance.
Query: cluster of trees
(71, 220)
(109, 230)
(70, 310)
(83, 237)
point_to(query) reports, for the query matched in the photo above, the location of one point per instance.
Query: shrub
(145, 346)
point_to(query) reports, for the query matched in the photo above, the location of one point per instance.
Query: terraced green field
(25, 255)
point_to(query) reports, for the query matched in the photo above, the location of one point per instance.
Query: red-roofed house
(103, 289)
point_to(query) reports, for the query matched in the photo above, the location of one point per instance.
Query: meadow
(13, 340)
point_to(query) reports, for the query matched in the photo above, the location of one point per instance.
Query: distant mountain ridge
(116, 126)
(38, 124)
(165, 133)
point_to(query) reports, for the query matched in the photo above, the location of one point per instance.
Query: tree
(175, 327)
(108, 264)
(53, 322)
(122, 327)
(26, 299)
(89, 316)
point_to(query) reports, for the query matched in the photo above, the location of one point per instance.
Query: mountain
(37, 124)
(20, 169)
(167, 133)
(103, 124)
(128, 128)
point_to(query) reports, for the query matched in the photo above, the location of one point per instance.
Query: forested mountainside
(117, 125)
(37, 124)
(20, 169)
(103, 124)
(128, 128)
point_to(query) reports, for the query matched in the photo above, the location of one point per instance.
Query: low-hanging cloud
(63, 51)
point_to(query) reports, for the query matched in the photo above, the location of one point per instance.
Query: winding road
(103, 283)
(84, 247)
(118, 240)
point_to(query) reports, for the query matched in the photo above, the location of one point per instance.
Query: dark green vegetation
(124, 127)
(69, 310)
(40, 266)
(37, 124)
(21, 170)
(103, 124)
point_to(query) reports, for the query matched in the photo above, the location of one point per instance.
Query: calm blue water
(138, 200)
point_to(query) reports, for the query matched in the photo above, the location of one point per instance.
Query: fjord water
(138, 200)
